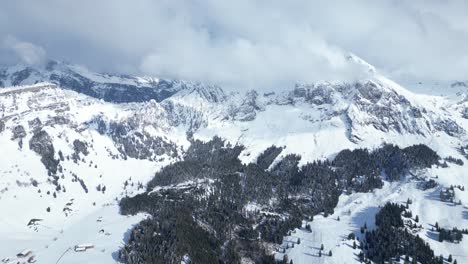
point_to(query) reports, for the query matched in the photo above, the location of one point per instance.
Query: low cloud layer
(28, 53)
(242, 43)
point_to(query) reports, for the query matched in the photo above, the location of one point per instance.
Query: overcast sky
(244, 42)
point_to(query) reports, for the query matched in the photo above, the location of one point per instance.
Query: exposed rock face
(111, 88)
(142, 128)
(18, 77)
(372, 104)
(459, 84)
(247, 110)
(364, 103)
(131, 139)
(41, 143)
(138, 144)
(450, 127)
(179, 114)
(208, 93)
(323, 94)
(114, 92)
(465, 113)
(138, 135)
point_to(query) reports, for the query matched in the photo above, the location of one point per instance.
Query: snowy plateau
(74, 143)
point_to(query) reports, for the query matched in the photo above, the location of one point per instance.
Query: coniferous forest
(392, 241)
(201, 207)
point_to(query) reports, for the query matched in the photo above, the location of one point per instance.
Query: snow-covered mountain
(112, 88)
(74, 142)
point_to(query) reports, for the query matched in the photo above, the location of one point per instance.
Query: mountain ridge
(66, 144)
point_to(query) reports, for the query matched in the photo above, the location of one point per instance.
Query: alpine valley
(104, 168)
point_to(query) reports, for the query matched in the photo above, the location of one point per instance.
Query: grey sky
(242, 43)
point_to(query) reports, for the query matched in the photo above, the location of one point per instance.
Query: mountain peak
(360, 62)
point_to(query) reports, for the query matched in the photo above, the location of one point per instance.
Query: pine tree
(330, 253)
(450, 258)
(354, 244)
(321, 247)
(361, 256)
(416, 219)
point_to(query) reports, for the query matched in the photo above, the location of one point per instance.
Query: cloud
(28, 53)
(246, 43)
(252, 63)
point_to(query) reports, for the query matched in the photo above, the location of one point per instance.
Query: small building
(79, 249)
(24, 254)
(281, 250)
(32, 259)
(83, 247)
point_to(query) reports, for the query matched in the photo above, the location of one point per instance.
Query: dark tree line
(217, 187)
(265, 159)
(454, 235)
(391, 241)
(167, 237)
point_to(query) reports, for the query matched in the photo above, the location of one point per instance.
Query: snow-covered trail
(105, 229)
(358, 209)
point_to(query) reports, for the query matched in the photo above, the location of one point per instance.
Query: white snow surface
(358, 209)
(75, 217)
(315, 131)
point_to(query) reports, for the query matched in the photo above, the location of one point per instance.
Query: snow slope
(27, 191)
(358, 209)
(126, 142)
